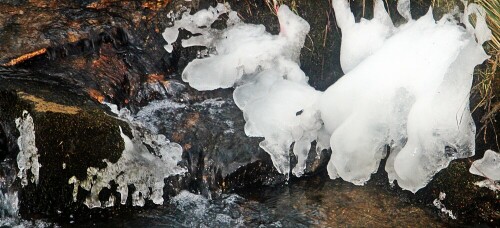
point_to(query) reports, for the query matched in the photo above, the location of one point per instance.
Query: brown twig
(25, 57)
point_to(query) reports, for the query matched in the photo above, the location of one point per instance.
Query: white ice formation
(488, 166)
(27, 158)
(137, 166)
(360, 40)
(264, 69)
(406, 87)
(440, 205)
(412, 93)
(199, 23)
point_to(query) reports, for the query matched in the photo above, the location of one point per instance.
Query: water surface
(313, 202)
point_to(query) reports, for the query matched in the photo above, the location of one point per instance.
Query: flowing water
(311, 202)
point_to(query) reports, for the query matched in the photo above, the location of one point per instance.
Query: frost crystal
(27, 158)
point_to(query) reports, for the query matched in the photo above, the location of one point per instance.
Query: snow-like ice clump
(271, 89)
(139, 166)
(27, 158)
(406, 87)
(360, 40)
(412, 94)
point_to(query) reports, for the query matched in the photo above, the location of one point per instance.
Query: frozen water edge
(264, 70)
(137, 166)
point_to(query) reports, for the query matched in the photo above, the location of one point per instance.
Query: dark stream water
(312, 202)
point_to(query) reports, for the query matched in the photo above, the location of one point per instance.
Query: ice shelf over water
(406, 86)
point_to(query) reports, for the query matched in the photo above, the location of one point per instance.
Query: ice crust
(488, 166)
(406, 87)
(27, 158)
(137, 166)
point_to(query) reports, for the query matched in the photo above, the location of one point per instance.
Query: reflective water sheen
(315, 202)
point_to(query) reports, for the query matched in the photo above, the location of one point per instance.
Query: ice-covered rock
(27, 158)
(488, 166)
(146, 161)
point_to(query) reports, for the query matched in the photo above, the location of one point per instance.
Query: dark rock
(113, 50)
(71, 133)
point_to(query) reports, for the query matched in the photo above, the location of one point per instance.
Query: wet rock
(60, 57)
(71, 133)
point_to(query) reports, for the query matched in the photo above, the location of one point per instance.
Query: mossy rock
(72, 133)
